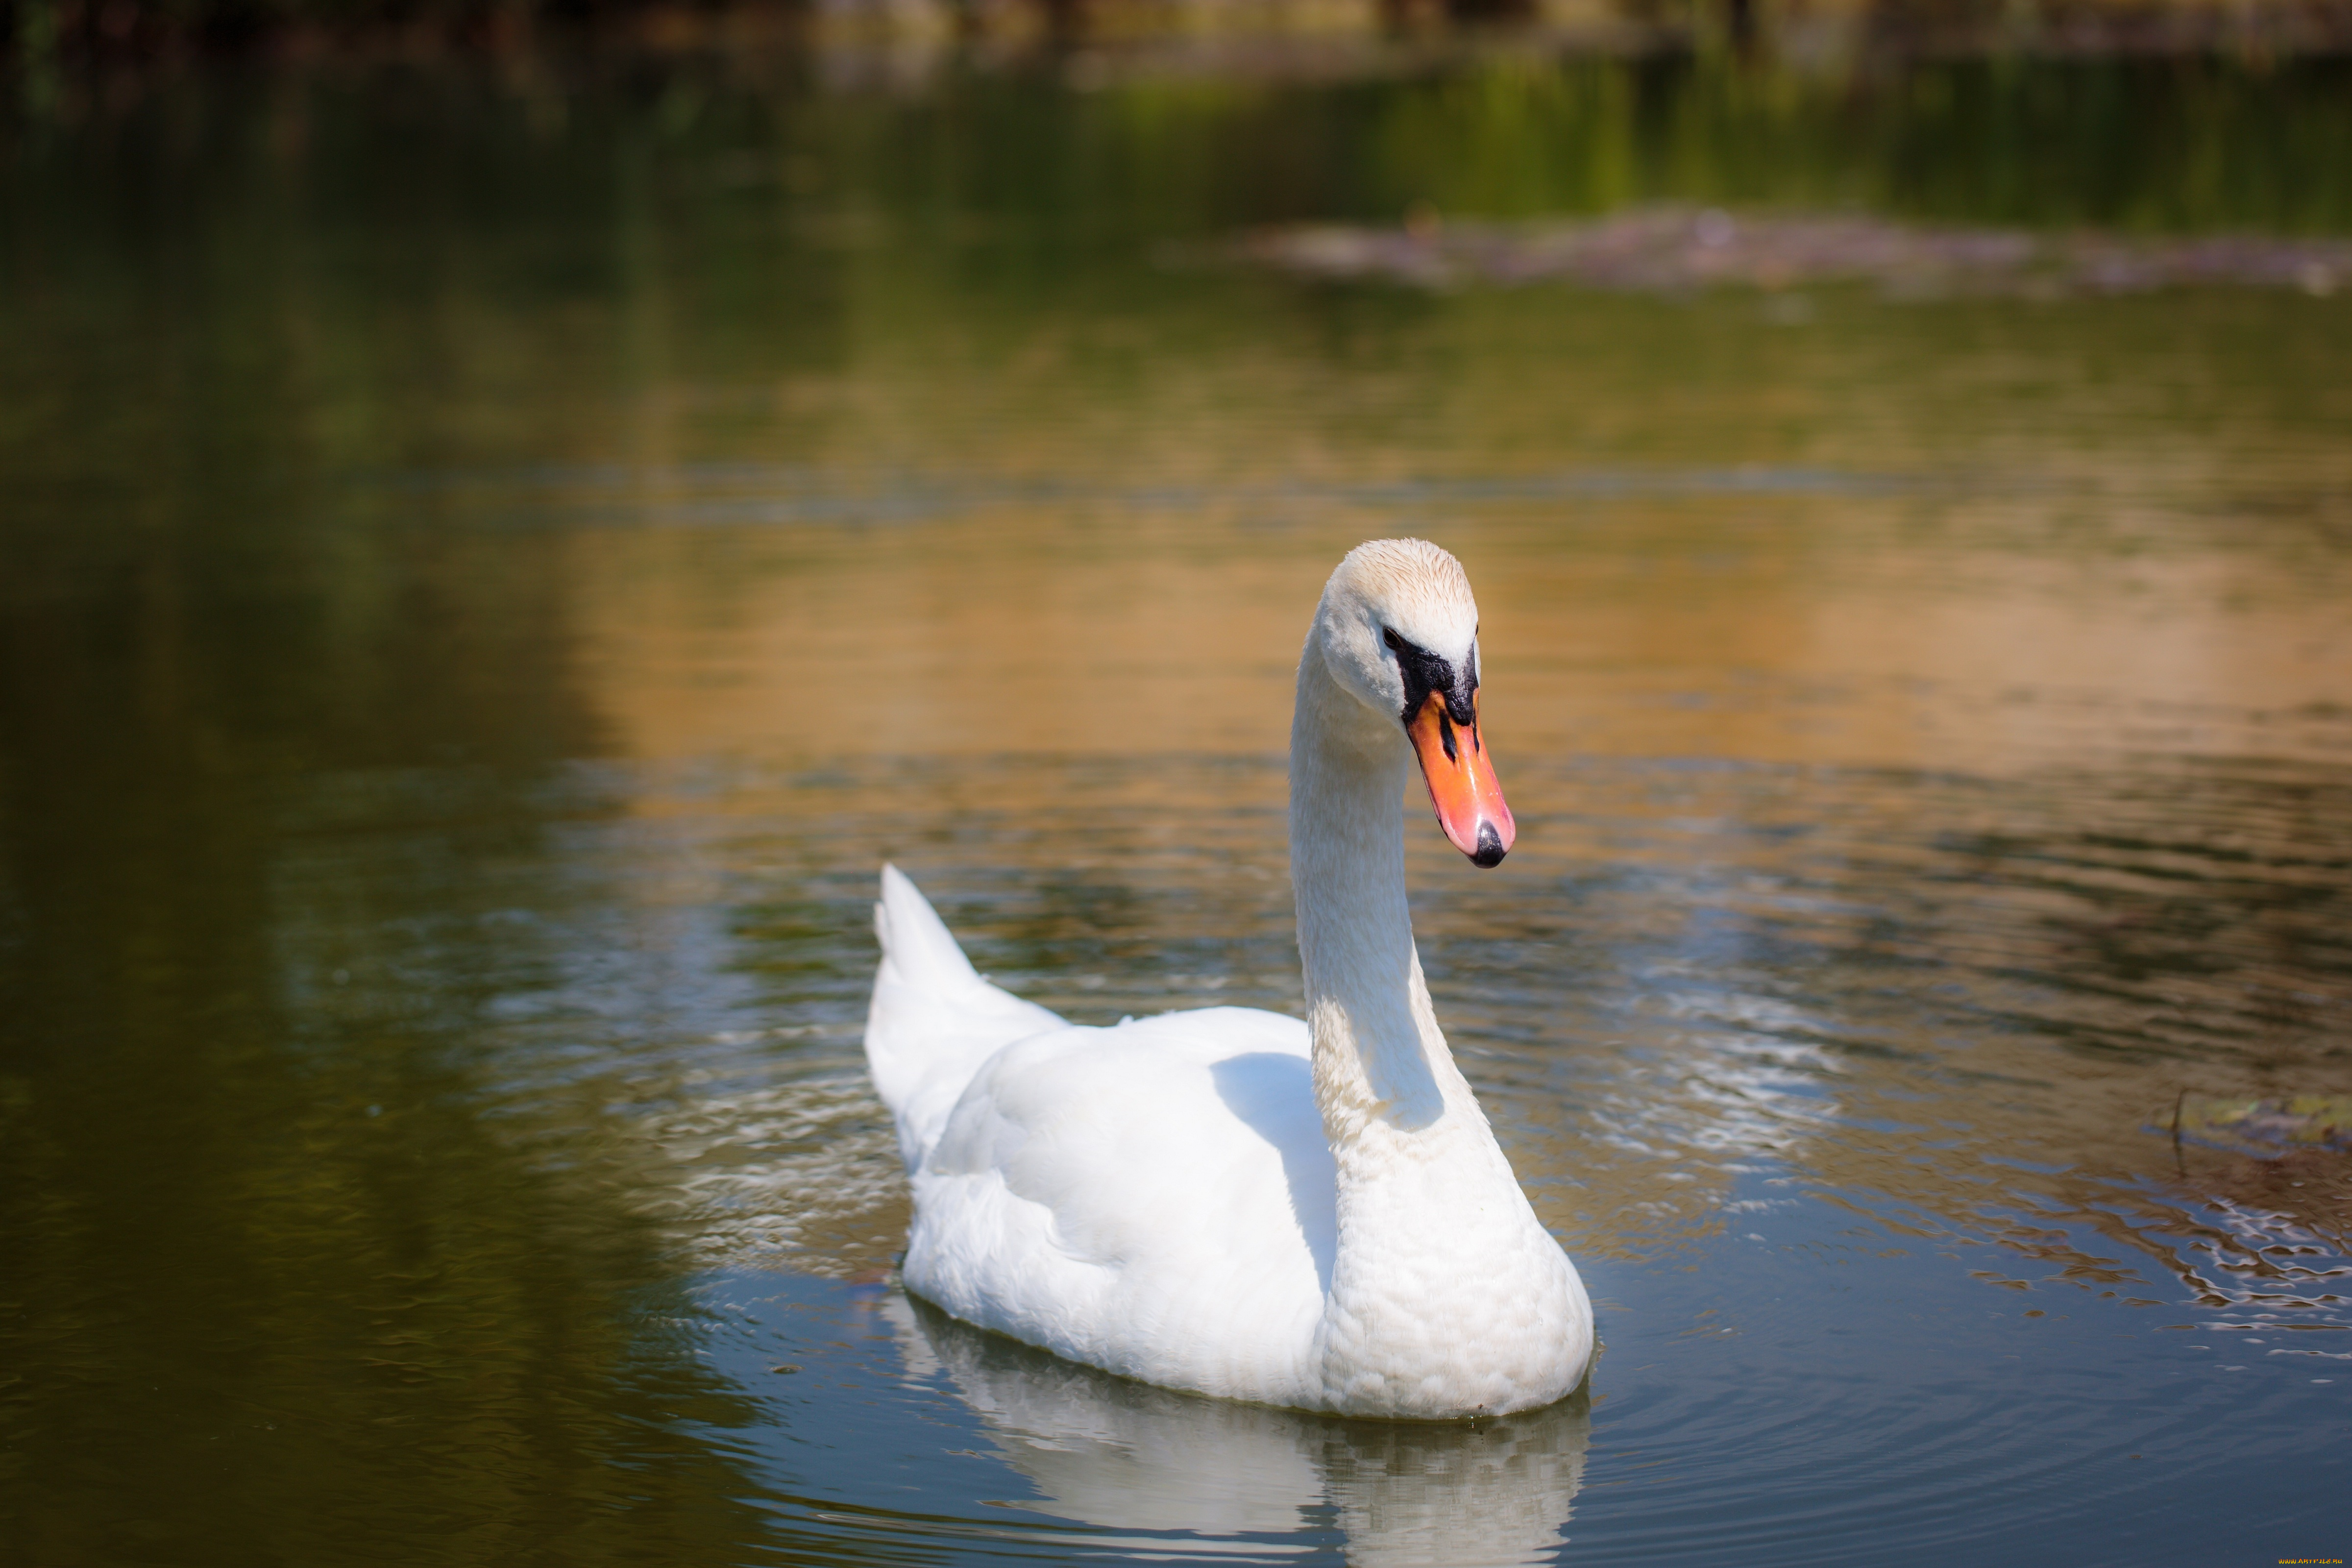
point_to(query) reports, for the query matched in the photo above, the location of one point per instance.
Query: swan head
(1399, 631)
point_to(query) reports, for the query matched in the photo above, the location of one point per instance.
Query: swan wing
(934, 1019)
(1156, 1199)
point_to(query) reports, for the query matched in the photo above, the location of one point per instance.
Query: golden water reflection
(1991, 733)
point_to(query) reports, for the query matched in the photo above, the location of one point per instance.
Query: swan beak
(1462, 781)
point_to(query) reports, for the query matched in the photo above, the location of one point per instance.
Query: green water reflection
(492, 562)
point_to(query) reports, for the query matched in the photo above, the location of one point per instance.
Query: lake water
(496, 560)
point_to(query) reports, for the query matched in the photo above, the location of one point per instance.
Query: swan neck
(1378, 1052)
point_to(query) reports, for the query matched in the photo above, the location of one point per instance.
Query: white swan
(1230, 1201)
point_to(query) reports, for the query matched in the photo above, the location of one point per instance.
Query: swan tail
(934, 1019)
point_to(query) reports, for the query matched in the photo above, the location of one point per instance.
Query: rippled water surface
(493, 568)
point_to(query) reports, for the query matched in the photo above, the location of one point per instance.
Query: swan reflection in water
(1116, 1454)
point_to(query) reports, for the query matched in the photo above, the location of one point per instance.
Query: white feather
(933, 1020)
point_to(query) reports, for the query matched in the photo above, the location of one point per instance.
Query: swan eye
(1425, 672)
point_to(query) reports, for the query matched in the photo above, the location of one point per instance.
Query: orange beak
(1462, 781)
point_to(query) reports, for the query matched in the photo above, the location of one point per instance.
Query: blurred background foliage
(2199, 142)
(1172, 116)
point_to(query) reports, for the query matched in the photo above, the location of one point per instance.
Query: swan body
(1307, 1214)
